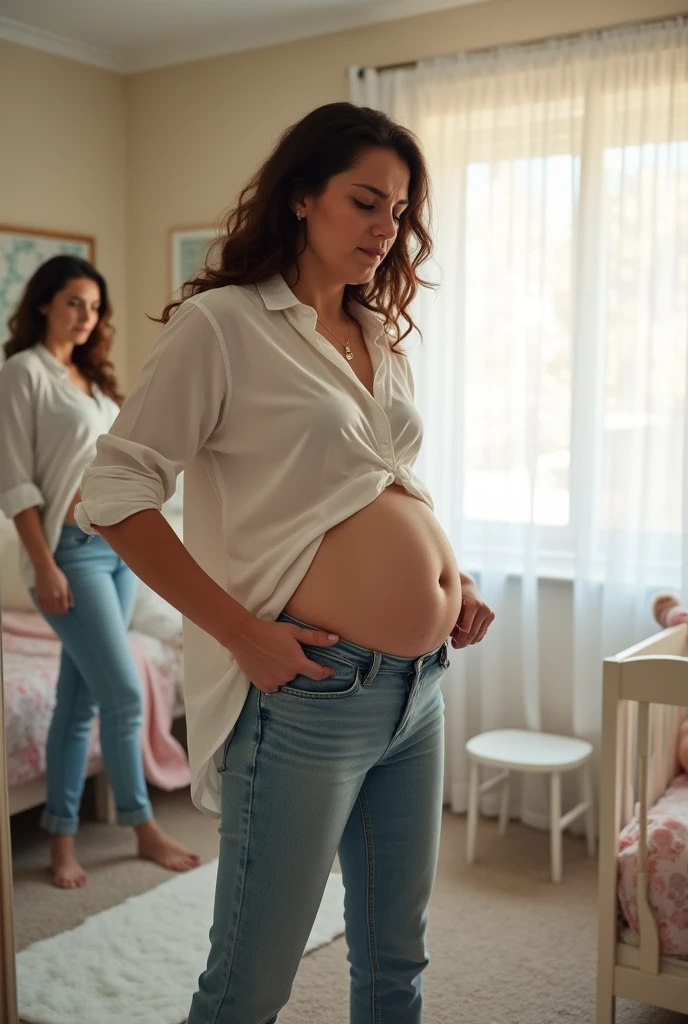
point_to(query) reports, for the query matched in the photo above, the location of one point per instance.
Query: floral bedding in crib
(667, 841)
(30, 666)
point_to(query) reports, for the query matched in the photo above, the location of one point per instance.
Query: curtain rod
(409, 64)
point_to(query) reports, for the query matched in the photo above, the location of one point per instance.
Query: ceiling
(134, 35)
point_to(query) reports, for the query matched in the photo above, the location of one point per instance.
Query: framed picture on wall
(22, 250)
(188, 252)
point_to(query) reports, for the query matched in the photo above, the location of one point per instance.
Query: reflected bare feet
(156, 845)
(67, 871)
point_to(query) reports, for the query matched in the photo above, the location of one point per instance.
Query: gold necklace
(345, 344)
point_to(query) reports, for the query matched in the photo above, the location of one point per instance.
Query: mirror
(8, 985)
(33, 908)
(92, 700)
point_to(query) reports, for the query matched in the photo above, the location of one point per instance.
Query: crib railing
(645, 693)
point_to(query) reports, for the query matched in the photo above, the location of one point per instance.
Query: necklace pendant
(349, 354)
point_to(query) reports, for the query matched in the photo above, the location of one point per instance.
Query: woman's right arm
(20, 497)
(30, 530)
(51, 587)
(176, 407)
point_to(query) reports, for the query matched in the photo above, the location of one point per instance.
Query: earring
(298, 215)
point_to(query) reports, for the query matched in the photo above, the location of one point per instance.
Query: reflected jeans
(98, 675)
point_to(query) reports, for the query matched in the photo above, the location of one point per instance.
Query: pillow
(13, 593)
(153, 615)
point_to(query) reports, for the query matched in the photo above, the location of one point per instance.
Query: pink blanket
(164, 759)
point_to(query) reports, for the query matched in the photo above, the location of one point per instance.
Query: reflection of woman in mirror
(312, 548)
(58, 392)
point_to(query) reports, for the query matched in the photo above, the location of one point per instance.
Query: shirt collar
(49, 360)
(276, 294)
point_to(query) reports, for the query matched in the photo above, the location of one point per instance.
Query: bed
(645, 698)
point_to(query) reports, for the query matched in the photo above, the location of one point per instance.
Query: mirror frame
(8, 976)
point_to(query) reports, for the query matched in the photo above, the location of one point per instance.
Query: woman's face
(73, 312)
(353, 224)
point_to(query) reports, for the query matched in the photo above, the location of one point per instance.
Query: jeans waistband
(363, 658)
(73, 538)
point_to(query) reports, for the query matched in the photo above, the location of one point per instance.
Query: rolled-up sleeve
(177, 404)
(18, 488)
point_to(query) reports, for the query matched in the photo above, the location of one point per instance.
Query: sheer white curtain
(552, 375)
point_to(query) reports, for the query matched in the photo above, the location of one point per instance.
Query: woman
(58, 392)
(279, 387)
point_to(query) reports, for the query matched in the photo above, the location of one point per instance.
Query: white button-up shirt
(279, 441)
(48, 431)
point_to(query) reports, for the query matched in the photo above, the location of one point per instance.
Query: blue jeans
(97, 675)
(350, 764)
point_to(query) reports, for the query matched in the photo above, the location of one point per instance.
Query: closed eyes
(371, 207)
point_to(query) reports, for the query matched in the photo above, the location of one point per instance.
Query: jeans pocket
(344, 683)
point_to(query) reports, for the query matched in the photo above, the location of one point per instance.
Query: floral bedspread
(667, 842)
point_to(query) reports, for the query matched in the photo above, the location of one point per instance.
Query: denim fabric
(350, 764)
(97, 676)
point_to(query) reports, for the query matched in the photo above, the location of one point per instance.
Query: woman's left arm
(474, 618)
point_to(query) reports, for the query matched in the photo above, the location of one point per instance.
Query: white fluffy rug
(139, 962)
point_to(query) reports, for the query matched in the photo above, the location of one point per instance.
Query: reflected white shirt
(48, 431)
(279, 442)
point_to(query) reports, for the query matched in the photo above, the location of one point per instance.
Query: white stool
(524, 751)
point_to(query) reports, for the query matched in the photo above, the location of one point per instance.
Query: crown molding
(60, 46)
(131, 60)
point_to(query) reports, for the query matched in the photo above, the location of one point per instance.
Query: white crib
(645, 693)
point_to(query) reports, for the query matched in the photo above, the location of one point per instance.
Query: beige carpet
(507, 946)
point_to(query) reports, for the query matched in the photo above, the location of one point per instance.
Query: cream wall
(63, 163)
(127, 158)
(196, 131)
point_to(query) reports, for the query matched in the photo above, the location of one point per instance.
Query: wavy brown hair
(27, 324)
(262, 237)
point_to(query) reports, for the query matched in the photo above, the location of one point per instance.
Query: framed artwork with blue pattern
(189, 251)
(22, 250)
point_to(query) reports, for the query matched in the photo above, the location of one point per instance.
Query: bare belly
(385, 579)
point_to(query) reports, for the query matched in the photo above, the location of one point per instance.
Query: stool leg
(590, 812)
(555, 825)
(504, 805)
(473, 799)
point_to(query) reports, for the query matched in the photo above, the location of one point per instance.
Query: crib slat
(627, 782)
(649, 939)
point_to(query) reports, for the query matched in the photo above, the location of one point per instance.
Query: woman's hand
(271, 655)
(474, 619)
(53, 593)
